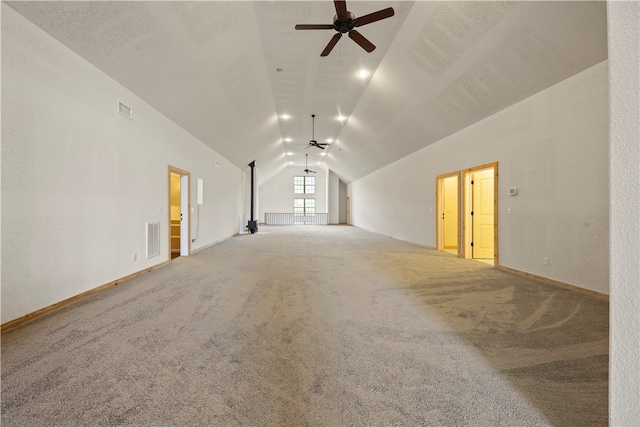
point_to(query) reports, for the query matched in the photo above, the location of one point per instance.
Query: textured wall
(552, 146)
(624, 63)
(276, 195)
(79, 181)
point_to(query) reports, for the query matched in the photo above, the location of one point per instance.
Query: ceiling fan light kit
(346, 22)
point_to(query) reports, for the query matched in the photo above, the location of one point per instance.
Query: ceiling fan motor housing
(344, 26)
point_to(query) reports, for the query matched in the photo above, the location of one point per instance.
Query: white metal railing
(295, 219)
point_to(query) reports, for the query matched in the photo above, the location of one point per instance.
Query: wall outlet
(545, 261)
(134, 257)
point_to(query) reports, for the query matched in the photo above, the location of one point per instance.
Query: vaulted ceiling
(228, 71)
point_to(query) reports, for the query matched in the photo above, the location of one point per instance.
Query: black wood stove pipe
(252, 226)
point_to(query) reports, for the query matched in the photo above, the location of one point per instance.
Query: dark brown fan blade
(341, 9)
(331, 44)
(375, 16)
(319, 146)
(314, 27)
(362, 41)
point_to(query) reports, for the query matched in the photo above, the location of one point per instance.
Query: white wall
(342, 201)
(624, 356)
(276, 195)
(80, 181)
(552, 146)
(333, 197)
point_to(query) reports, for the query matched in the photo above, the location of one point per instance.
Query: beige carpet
(314, 326)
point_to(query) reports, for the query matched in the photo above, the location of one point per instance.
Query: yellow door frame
(440, 210)
(182, 173)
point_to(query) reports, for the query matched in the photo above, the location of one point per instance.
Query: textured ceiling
(438, 67)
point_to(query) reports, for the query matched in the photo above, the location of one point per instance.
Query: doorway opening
(179, 209)
(480, 217)
(448, 213)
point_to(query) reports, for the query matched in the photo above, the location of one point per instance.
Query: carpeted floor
(314, 326)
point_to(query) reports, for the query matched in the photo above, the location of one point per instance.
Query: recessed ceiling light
(285, 117)
(323, 154)
(287, 140)
(289, 153)
(363, 74)
(342, 118)
(329, 140)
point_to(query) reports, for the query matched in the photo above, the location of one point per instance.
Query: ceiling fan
(345, 22)
(306, 168)
(313, 142)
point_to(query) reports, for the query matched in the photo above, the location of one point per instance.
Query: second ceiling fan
(306, 166)
(313, 142)
(345, 22)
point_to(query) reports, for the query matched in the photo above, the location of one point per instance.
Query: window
(309, 206)
(304, 185)
(310, 185)
(298, 185)
(304, 206)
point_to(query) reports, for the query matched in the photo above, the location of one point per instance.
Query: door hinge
(471, 244)
(471, 213)
(471, 182)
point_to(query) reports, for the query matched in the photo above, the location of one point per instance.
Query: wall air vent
(153, 239)
(125, 111)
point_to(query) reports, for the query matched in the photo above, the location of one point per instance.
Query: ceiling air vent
(153, 239)
(125, 111)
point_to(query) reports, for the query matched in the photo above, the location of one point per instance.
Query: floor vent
(153, 239)
(125, 111)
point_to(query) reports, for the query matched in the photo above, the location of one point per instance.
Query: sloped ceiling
(226, 71)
